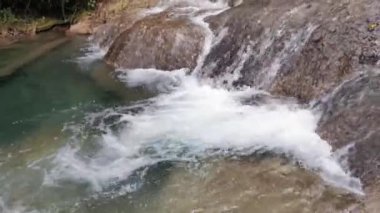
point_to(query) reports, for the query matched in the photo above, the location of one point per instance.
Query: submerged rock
(372, 203)
(351, 122)
(158, 41)
(14, 66)
(81, 28)
(302, 49)
(268, 185)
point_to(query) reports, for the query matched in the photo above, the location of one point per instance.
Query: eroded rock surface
(112, 17)
(303, 49)
(340, 46)
(298, 48)
(351, 116)
(256, 39)
(158, 41)
(267, 185)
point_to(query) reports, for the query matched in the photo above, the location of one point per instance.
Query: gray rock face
(351, 116)
(298, 48)
(105, 34)
(113, 17)
(257, 37)
(335, 50)
(305, 49)
(158, 41)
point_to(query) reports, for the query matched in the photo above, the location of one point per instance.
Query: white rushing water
(195, 121)
(190, 120)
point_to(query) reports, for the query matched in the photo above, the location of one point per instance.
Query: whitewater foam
(191, 120)
(91, 52)
(195, 121)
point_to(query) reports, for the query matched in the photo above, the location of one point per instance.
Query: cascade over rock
(158, 41)
(105, 34)
(323, 51)
(299, 48)
(351, 117)
(350, 122)
(341, 45)
(257, 37)
(112, 18)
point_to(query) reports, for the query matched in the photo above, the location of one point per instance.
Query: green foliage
(6, 16)
(61, 9)
(91, 4)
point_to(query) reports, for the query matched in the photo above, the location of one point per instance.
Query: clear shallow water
(73, 148)
(53, 90)
(11, 53)
(80, 141)
(39, 100)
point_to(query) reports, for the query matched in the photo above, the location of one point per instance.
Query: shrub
(6, 16)
(51, 8)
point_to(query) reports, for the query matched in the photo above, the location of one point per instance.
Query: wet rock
(371, 59)
(372, 203)
(81, 28)
(325, 62)
(113, 17)
(299, 48)
(351, 116)
(365, 160)
(248, 186)
(256, 39)
(340, 46)
(158, 41)
(106, 33)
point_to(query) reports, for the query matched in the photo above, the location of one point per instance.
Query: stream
(79, 136)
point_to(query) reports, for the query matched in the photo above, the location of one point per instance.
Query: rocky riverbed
(325, 54)
(258, 105)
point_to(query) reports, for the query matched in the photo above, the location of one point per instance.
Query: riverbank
(14, 29)
(20, 29)
(85, 23)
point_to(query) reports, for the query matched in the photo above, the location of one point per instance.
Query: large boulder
(229, 185)
(255, 38)
(105, 34)
(351, 122)
(297, 48)
(83, 27)
(112, 17)
(267, 185)
(341, 45)
(311, 50)
(160, 41)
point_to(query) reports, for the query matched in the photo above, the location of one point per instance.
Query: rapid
(121, 157)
